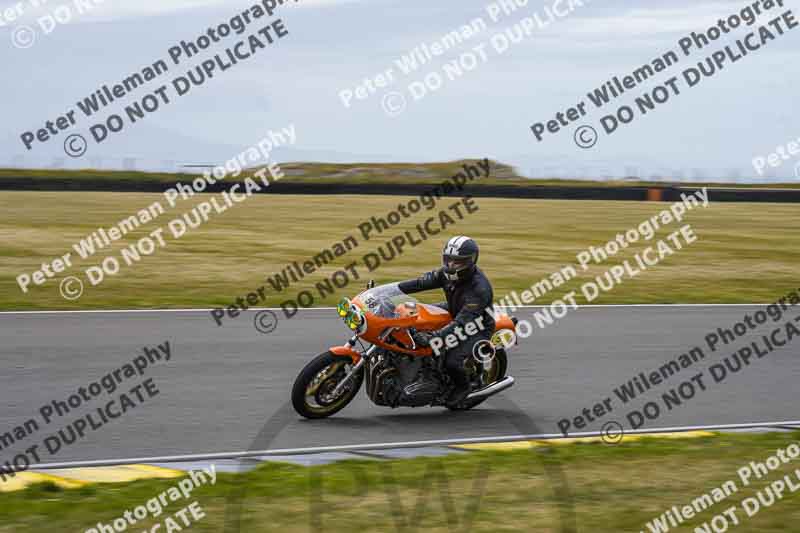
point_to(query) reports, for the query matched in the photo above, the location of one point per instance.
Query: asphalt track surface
(223, 384)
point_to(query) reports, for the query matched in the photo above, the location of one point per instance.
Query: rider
(469, 294)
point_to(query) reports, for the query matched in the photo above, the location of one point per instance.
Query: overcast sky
(712, 130)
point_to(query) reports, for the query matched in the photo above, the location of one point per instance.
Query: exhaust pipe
(492, 389)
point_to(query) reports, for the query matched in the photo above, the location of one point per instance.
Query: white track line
(331, 308)
(393, 445)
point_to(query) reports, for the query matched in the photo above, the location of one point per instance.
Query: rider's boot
(459, 393)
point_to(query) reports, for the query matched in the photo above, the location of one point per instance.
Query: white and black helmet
(459, 257)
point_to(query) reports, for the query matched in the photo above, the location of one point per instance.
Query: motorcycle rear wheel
(312, 391)
(495, 372)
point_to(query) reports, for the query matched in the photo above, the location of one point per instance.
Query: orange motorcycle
(398, 373)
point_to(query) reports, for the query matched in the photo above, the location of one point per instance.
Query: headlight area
(352, 316)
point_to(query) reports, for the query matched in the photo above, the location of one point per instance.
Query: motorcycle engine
(421, 392)
(399, 380)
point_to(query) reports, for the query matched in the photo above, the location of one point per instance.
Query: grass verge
(613, 489)
(745, 253)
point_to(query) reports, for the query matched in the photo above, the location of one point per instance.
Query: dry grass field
(745, 253)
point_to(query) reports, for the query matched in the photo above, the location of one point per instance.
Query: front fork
(356, 368)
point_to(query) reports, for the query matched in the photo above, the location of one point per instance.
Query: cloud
(110, 10)
(152, 7)
(648, 21)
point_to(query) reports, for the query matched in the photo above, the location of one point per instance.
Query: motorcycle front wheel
(312, 393)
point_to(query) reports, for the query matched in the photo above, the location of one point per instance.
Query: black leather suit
(467, 300)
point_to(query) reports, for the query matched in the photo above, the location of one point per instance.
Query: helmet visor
(455, 263)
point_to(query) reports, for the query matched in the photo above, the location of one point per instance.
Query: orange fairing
(383, 315)
(419, 316)
(422, 317)
(432, 317)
